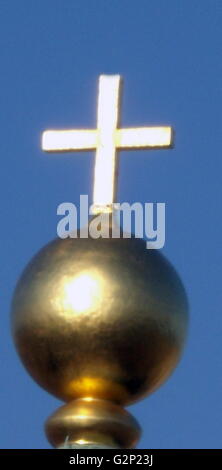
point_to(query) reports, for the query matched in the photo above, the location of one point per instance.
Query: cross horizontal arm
(69, 140)
(144, 137)
(87, 139)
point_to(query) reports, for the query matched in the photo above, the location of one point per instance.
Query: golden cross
(106, 140)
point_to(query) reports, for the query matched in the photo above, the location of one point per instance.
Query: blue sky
(169, 53)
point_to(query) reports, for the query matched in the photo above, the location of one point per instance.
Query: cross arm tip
(172, 137)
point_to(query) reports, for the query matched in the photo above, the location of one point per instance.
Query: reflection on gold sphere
(102, 318)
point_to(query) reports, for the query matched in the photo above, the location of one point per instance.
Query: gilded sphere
(103, 318)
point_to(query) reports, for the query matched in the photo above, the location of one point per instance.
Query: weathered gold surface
(101, 318)
(92, 422)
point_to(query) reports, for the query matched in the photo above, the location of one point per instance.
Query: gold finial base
(92, 423)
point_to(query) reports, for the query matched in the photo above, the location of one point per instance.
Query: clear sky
(169, 53)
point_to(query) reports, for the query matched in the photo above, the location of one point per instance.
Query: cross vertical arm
(105, 176)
